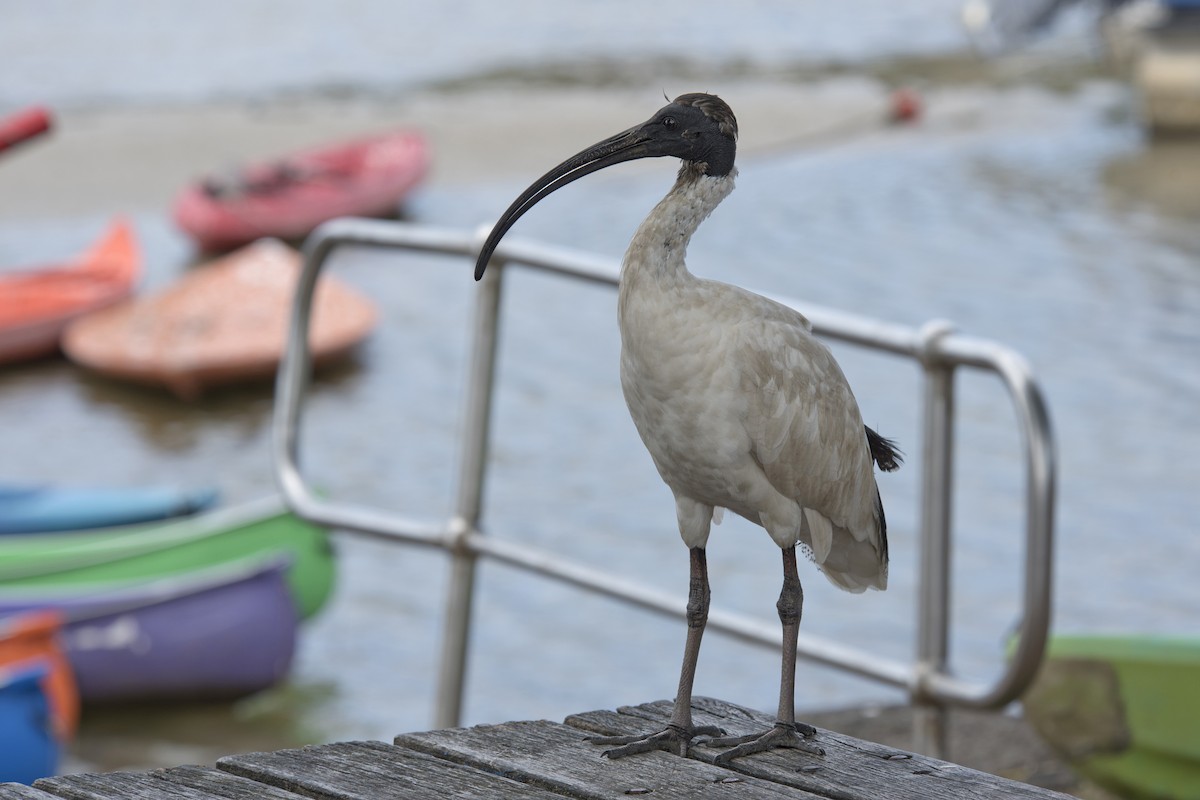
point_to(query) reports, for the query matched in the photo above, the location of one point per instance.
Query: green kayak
(1124, 710)
(164, 549)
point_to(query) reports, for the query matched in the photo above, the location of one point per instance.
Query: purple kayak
(217, 633)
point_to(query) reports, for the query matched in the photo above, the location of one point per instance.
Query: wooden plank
(19, 791)
(122, 785)
(559, 759)
(180, 782)
(373, 771)
(542, 760)
(851, 769)
(219, 784)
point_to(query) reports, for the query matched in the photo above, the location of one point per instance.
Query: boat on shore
(163, 550)
(28, 747)
(1157, 42)
(216, 633)
(289, 196)
(23, 126)
(43, 509)
(221, 323)
(38, 303)
(1122, 710)
(35, 637)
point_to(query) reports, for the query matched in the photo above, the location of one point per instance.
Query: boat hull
(42, 509)
(220, 633)
(36, 305)
(36, 637)
(1122, 710)
(165, 549)
(289, 197)
(28, 747)
(224, 322)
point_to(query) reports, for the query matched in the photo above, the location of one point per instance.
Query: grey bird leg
(677, 736)
(787, 732)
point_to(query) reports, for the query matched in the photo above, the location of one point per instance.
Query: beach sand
(136, 158)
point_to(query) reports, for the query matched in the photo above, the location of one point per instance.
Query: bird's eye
(669, 123)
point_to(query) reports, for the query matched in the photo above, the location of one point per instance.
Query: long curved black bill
(625, 146)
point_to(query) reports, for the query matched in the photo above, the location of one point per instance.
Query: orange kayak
(288, 197)
(35, 636)
(223, 322)
(37, 304)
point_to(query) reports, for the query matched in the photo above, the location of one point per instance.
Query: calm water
(1052, 227)
(144, 52)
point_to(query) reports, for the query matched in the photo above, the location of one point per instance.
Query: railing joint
(928, 340)
(456, 539)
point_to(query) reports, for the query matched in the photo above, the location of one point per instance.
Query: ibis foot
(672, 739)
(792, 735)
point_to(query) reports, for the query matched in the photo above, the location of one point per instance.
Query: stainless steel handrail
(936, 347)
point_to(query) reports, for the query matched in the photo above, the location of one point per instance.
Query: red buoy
(904, 106)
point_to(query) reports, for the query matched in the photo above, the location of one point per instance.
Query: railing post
(469, 505)
(933, 617)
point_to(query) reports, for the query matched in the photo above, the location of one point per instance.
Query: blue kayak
(36, 509)
(28, 749)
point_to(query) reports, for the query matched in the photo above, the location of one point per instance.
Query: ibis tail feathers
(884, 451)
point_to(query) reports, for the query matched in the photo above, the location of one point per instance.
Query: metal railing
(929, 682)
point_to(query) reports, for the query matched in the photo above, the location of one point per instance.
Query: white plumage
(740, 407)
(739, 404)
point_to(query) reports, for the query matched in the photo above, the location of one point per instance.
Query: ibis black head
(698, 128)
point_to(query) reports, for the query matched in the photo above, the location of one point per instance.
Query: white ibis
(739, 405)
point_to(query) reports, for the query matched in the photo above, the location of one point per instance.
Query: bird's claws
(784, 734)
(672, 739)
(709, 732)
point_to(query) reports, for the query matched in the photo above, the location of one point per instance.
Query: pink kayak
(224, 322)
(288, 197)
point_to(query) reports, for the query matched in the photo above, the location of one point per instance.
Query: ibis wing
(804, 424)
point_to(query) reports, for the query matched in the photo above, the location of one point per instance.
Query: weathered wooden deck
(546, 760)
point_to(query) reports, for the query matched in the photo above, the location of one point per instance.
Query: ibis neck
(658, 248)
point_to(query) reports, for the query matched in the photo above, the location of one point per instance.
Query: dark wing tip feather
(883, 545)
(884, 451)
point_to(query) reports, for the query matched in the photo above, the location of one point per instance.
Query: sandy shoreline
(136, 158)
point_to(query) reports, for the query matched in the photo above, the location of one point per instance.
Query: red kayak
(288, 197)
(23, 126)
(37, 304)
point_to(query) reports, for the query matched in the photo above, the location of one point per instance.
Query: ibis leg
(787, 732)
(677, 736)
